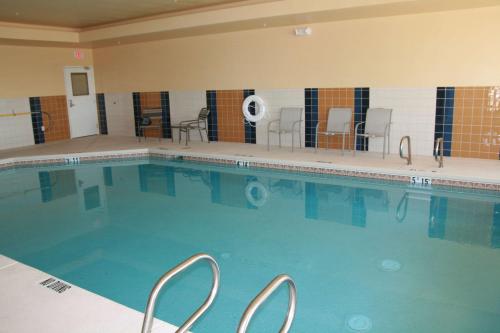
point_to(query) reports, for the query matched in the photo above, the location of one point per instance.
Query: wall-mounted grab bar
(263, 295)
(149, 314)
(438, 151)
(407, 158)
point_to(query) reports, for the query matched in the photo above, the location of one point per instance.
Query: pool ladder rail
(150, 308)
(401, 154)
(247, 315)
(263, 296)
(438, 151)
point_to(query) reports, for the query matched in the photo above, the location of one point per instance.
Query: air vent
(56, 285)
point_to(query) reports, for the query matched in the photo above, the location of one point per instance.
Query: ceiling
(87, 13)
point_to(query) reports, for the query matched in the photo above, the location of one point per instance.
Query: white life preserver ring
(260, 108)
(261, 190)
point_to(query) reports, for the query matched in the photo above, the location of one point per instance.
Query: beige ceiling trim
(179, 13)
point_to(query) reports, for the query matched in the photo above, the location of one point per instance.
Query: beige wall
(447, 48)
(35, 71)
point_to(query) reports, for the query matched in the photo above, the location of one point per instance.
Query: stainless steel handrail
(149, 314)
(263, 295)
(407, 158)
(438, 151)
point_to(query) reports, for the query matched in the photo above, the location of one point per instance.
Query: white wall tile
(276, 99)
(120, 114)
(186, 105)
(413, 114)
(15, 131)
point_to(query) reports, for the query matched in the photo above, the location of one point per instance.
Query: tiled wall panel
(338, 98)
(229, 116)
(413, 114)
(151, 100)
(101, 113)
(55, 118)
(120, 114)
(476, 122)
(15, 123)
(186, 105)
(275, 99)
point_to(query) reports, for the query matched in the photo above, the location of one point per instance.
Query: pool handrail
(438, 151)
(149, 313)
(262, 297)
(407, 158)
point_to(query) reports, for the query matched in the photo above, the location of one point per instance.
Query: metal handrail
(407, 158)
(149, 313)
(263, 295)
(438, 151)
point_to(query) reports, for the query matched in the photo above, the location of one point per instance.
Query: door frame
(92, 92)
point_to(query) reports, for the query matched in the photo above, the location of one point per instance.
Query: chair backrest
(204, 112)
(337, 120)
(288, 116)
(376, 121)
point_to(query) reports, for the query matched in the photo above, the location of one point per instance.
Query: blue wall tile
(165, 114)
(37, 120)
(101, 108)
(212, 117)
(361, 104)
(136, 99)
(445, 104)
(311, 115)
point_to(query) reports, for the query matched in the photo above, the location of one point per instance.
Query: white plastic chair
(289, 122)
(338, 123)
(377, 125)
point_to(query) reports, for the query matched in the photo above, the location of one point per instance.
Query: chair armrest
(271, 122)
(357, 126)
(317, 125)
(295, 123)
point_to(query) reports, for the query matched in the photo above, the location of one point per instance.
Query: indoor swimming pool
(400, 257)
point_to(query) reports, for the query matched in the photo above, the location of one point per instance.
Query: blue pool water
(409, 259)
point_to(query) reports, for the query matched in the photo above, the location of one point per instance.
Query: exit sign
(78, 54)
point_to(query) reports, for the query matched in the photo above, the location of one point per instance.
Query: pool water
(365, 255)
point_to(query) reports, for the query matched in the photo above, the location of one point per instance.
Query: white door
(81, 99)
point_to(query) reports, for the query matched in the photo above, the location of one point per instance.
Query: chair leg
(355, 145)
(316, 144)
(279, 138)
(187, 136)
(300, 138)
(180, 136)
(343, 143)
(201, 136)
(383, 149)
(293, 139)
(268, 140)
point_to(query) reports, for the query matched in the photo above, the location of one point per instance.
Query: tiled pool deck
(460, 172)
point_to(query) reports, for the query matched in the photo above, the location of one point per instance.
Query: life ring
(261, 190)
(260, 108)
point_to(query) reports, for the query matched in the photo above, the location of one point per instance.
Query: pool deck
(458, 169)
(28, 306)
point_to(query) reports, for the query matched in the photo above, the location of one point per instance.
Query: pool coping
(402, 176)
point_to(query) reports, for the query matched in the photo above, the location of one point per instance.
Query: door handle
(71, 104)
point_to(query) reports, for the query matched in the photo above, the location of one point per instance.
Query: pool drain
(359, 323)
(389, 265)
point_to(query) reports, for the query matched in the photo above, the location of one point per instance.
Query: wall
(36, 71)
(426, 50)
(26, 72)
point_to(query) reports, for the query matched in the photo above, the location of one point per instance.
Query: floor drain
(359, 323)
(389, 265)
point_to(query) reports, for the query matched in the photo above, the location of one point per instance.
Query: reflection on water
(157, 179)
(57, 184)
